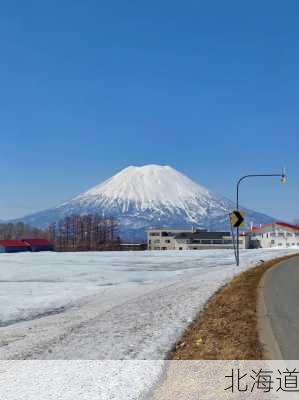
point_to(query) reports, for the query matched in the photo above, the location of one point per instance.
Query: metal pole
(238, 250)
(283, 179)
(233, 237)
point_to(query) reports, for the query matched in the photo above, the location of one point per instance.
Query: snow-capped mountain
(149, 196)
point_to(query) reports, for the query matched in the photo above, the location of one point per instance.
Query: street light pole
(283, 178)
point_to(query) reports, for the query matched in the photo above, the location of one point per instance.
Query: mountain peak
(147, 186)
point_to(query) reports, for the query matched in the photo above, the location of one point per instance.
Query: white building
(163, 239)
(278, 234)
(182, 239)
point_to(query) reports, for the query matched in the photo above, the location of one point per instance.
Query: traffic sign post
(233, 235)
(237, 219)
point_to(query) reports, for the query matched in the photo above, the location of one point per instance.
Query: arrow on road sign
(237, 218)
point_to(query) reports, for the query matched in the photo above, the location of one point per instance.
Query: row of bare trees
(84, 233)
(18, 230)
(72, 233)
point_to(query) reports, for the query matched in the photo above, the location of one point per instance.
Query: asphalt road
(281, 295)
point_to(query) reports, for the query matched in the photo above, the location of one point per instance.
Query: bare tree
(84, 233)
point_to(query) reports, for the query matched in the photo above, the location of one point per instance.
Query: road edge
(271, 349)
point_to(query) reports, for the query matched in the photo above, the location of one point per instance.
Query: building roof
(279, 223)
(37, 242)
(202, 235)
(287, 225)
(13, 243)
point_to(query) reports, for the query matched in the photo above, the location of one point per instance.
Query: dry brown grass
(227, 328)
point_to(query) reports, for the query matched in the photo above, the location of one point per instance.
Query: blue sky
(90, 87)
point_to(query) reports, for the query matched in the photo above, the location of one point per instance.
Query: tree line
(85, 233)
(19, 230)
(90, 232)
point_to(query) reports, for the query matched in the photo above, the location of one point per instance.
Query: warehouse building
(205, 240)
(133, 246)
(39, 244)
(199, 239)
(13, 246)
(16, 246)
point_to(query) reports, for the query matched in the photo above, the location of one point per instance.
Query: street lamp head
(283, 178)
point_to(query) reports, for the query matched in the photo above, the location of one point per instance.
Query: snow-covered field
(116, 305)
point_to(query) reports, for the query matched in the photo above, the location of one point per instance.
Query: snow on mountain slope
(147, 196)
(157, 188)
(147, 186)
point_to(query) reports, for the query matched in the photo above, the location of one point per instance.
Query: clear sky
(90, 87)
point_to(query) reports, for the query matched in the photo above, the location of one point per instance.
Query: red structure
(39, 244)
(13, 246)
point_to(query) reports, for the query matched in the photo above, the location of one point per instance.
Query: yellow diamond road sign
(237, 218)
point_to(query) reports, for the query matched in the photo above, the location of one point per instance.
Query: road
(281, 296)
